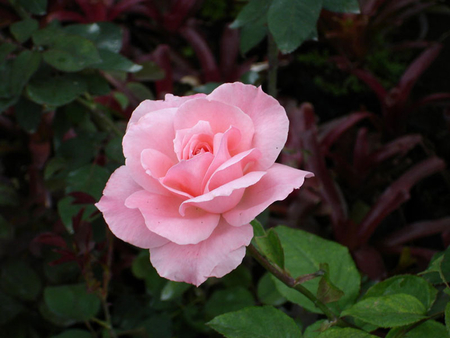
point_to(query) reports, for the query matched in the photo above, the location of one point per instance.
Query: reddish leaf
(229, 51)
(315, 162)
(82, 198)
(203, 52)
(50, 238)
(411, 75)
(417, 230)
(399, 146)
(162, 58)
(333, 130)
(395, 195)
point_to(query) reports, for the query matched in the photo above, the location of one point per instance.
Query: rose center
(200, 148)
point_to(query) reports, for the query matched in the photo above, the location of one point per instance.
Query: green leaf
(28, 115)
(388, 311)
(270, 247)
(47, 36)
(407, 284)
(6, 229)
(327, 292)
(53, 317)
(241, 276)
(90, 179)
(228, 300)
(6, 48)
(114, 61)
(9, 308)
(253, 20)
(438, 271)
(150, 72)
(114, 150)
(258, 229)
(8, 195)
(22, 30)
(316, 328)
(104, 35)
(207, 88)
(447, 317)
(268, 293)
(24, 66)
(256, 322)
(303, 254)
(74, 333)
(342, 6)
(140, 91)
(252, 35)
(56, 91)
(20, 280)
(72, 302)
(253, 11)
(173, 290)
(142, 269)
(97, 84)
(428, 329)
(347, 332)
(291, 22)
(37, 7)
(71, 53)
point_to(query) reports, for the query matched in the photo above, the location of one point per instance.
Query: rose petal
(127, 224)
(153, 131)
(220, 116)
(224, 197)
(183, 137)
(186, 177)
(155, 163)
(269, 117)
(148, 106)
(276, 185)
(163, 218)
(232, 169)
(216, 256)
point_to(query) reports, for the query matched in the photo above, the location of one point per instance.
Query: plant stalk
(291, 282)
(273, 66)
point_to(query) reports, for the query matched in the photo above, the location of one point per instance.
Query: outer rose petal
(163, 218)
(216, 256)
(148, 106)
(153, 131)
(268, 116)
(276, 185)
(127, 224)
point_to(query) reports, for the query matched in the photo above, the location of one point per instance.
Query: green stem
(273, 66)
(292, 283)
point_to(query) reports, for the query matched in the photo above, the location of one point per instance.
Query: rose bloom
(198, 169)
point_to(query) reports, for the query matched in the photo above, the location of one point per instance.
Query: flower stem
(273, 66)
(291, 282)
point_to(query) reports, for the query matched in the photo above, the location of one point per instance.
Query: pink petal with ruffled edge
(155, 163)
(269, 117)
(276, 185)
(153, 131)
(220, 117)
(186, 177)
(163, 218)
(224, 197)
(127, 224)
(216, 256)
(170, 101)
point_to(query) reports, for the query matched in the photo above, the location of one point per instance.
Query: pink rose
(198, 169)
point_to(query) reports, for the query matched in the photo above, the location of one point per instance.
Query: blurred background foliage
(375, 130)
